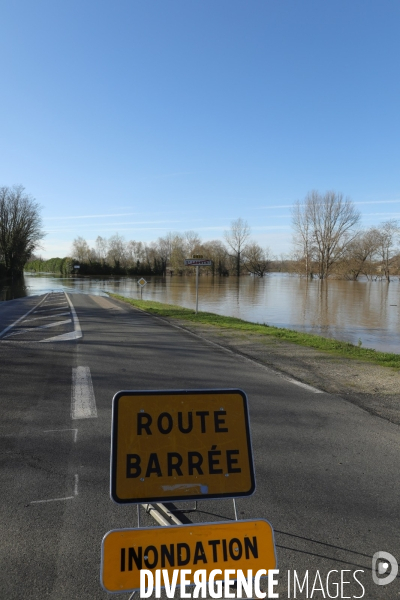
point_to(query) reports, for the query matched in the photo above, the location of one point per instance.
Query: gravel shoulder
(374, 388)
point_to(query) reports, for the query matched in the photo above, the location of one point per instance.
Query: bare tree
(134, 253)
(217, 252)
(116, 251)
(164, 250)
(326, 224)
(388, 236)
(20, 228)
(360, 255)
(192, 242)
(236, 239)
(177, 259)
(303, 238)
(257, 260)
(101, 248)
(81, 250)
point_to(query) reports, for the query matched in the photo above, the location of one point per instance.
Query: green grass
(330, 345)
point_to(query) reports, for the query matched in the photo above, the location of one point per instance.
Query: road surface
(327, 472)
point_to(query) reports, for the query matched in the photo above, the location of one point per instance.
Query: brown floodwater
(365, 312)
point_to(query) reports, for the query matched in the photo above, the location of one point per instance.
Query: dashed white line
(83, 403)
(56, 430)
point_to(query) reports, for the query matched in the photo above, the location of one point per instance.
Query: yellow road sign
(234, 545)
(180, 445)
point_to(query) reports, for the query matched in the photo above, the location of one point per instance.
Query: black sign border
(177, 498)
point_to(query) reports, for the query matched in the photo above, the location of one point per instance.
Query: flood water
(354, 311)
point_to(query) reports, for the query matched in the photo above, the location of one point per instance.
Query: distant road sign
(77, 267)
(180, 445)
(142, 282)
(218, 545)
(197, 262)
(197, 256)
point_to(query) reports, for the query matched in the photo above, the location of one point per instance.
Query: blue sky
(144, 117)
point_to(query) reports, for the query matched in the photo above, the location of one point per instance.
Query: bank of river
(373, 387)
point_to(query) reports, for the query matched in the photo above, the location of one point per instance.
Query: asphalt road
(327, 472)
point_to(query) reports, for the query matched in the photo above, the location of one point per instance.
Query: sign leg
(197, 288)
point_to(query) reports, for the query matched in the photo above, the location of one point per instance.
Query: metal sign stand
(195, 508)
(142, 282)
(197, 288)
(197, 261)
(175, 510)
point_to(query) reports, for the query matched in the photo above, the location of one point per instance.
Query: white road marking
(55, 305)
(54, 430)
(61, 307)
(52, 500)
(33, 329)
(17, 332)
(22, 318)
(60, 499)
(83, 403)
(53, 324)
(72, 335)
(77, 326)
(310, 388)
(48, 317)
(64, 337)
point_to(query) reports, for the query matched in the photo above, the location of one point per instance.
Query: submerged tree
(303, 238)
(20, 228)
(257, 260)
(388, 235)
(236, 239)
(360, 255)
(324, 226)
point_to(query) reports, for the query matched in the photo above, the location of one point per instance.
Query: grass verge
(344, 349)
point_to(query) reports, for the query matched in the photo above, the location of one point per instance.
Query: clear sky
(148, 116)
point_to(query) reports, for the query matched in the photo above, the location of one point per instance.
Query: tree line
(327, 242)
(116, 256)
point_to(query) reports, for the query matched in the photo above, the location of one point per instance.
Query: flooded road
(360, 312)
